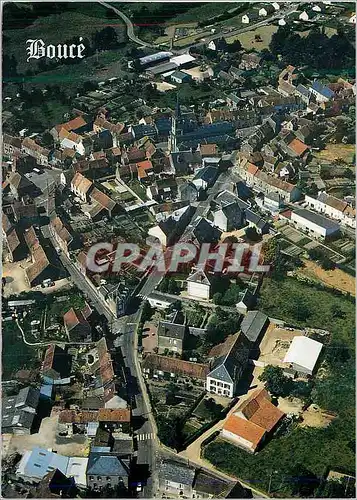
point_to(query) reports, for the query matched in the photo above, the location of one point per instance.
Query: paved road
(215, 36)
(249, 27)
(124, 332)
(129, 26)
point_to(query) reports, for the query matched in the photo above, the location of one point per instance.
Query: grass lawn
(281, 299)
(138, 189)
(15, 354)
(334, 151)
(248, 41)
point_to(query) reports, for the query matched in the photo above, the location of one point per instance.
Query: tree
(106, 39)
(275, 380)
(337, 488)
(337, 311)
(304, 481)
(47, 140)
(327, 264)
(300, 309)
(235, 46)
(312, 190)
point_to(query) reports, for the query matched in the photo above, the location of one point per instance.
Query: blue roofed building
(106, 469)
(38, 462)
(321, 92)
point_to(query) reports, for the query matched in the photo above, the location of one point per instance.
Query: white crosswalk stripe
(145, 437)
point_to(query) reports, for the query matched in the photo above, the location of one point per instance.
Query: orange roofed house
(255, 419)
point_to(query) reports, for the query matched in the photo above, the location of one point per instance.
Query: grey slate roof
(234, 354)
(171, 330)
(213, 485)
(205, 232)
(176, 472)
(20, 410)
(106, 464)
(318, 219)
(253, 324)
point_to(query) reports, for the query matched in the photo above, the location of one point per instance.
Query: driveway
(46, 438)
(16, 281)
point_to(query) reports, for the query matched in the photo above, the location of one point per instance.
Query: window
(109, 478)
(226, 386)
(213, 382)
(91, 478)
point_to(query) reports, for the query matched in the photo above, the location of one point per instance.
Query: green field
(15, 354)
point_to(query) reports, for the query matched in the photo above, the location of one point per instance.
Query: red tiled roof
(245, 429)
(143, 167)
(259, 410)
(31, 239)
(177, 366)
(81, 183)
(102, 199)
(298, 147)
(72, 124)
(77, 417)
(252, 169)
(73, 318)
(12, 240)
(114, 415)
(61, 230)
(41, 262)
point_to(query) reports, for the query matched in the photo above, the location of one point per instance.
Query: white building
(282, 22)
(276, 6)
(316, 225)
(333, 207)
(304, 16)
(73, 141)
(303, 354)
(352, 19)
(199, 285)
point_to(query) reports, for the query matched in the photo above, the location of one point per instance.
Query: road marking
(145, 437)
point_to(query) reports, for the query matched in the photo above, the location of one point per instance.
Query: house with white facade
(304, 16)
(199, 285)
(333, 207)
(228, 361)
(258, 179)
(314, 224)
(321, 92)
